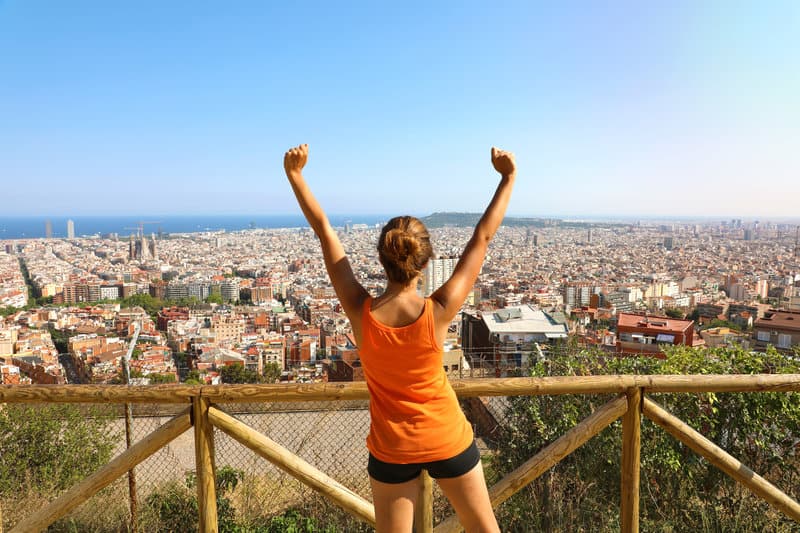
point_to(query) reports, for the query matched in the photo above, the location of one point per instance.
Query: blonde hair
(404, 248)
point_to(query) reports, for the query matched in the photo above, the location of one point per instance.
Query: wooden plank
(554, 385)
(98, 480)
(204, 463)
(631, 452)
(720, 383)
(423, 512)
(290, 392)
(293, 465)
(547, 457)
(721, 459)
(98, 393)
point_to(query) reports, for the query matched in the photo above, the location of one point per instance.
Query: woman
(415, 419)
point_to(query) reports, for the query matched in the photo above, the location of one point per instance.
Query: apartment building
(643, 334)
(780, 329)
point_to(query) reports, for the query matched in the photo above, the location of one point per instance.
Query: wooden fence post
(631, 450)
(423, 513)
(204, 462)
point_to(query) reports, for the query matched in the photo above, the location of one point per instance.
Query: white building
(436, 272)
(109, 292)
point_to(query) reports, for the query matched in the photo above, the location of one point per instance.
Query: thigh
(394, 504)
(470, 498)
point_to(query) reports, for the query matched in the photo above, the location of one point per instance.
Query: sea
(34, 227)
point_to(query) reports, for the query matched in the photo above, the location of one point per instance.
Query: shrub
(679, 489)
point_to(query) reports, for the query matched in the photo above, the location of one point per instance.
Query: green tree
(151, 305)
(51, 447)
(156, 379)
(272, 372)
(237, 373)
(717, 323)
(193, 378)
(214, 298)
(680, 490)
(674, 313)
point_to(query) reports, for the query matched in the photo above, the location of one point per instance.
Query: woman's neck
(394, 289)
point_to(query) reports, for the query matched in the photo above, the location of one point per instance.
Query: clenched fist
(295, 159)
(503, 162)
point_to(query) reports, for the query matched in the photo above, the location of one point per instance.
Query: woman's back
(414, 411)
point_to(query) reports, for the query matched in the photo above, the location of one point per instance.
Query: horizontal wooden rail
(721, 459)
(301, 392)
(98, 393)
(101, 478)
(293, 465)
(294, 392)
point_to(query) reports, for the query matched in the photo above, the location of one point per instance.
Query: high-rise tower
(436, 272)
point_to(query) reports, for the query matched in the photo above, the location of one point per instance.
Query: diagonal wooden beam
(293, 465)
(101, 478)
(548, 456)
(721, 459)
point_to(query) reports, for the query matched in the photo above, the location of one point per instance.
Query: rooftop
(523, 319)
(630, 320)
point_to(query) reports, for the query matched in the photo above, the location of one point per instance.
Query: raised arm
(350, 292)
(452, 294)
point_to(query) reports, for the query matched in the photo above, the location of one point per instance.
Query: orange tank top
(414, 412)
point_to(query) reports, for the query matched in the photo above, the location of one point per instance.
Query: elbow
(483, 235)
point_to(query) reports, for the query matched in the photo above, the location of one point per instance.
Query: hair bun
(404, 248)
(400, 245)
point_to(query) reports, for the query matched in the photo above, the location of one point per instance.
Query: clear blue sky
(613, 108)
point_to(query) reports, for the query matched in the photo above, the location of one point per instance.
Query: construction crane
(140, 226)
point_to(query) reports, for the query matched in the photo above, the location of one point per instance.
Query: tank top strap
(426, 322)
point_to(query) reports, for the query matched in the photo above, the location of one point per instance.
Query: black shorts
(446, 468)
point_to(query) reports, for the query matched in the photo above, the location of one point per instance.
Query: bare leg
(470, 498)
(394, 505)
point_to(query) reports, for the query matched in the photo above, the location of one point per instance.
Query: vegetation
(60, 338)
(679, 490)
(156, 379)
(50, 447)
(193, 378)
(237, 373)
(717, 323)
(272, 372)
(174, 506)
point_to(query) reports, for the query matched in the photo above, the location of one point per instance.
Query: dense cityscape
(198, 305)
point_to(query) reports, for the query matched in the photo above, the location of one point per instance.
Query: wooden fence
(201, 413)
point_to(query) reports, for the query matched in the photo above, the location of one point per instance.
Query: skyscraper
(70, 229)
(436, 272)
(48, 229)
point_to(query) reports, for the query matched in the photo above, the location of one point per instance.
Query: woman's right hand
(294, 160)
(503, 162)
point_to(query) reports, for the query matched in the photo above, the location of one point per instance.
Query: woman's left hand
(295, 159)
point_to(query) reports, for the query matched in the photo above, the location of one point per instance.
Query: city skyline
(620, 111)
